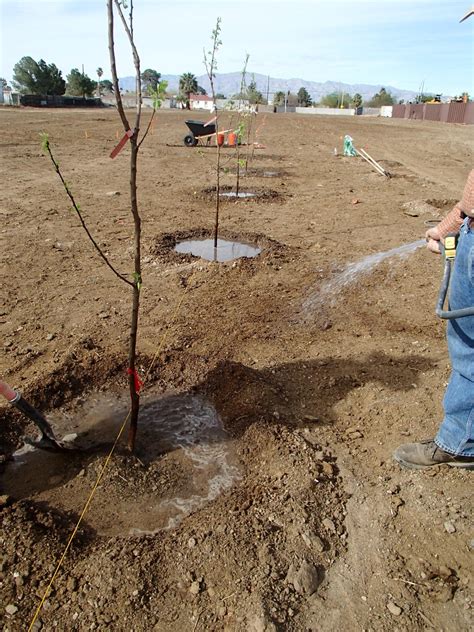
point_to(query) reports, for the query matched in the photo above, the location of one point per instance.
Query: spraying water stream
(329, 292)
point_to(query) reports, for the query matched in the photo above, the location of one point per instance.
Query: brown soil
(321, 530)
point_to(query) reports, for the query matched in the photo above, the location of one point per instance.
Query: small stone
(192, 543)
(4, 500)
(305, 579)
(71, 584)
(11, 609)
(355, 201)
(69, 437)
(328, 469)
(195, 588)
(444, 593)
(313, 541)
(329, 525)
(470, 544)
(104, 315)
(449, 527)
(394, 609)
(50, 337)
(112, 193)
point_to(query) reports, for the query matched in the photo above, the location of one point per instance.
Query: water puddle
(225, 251)
(189, 425)
(329, 292)
(240, 194)
(188, 461)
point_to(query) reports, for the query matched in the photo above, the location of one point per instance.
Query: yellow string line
(165, 335)
(104, 467)
(76, 528)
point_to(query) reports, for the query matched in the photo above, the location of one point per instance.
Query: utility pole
(268, 87)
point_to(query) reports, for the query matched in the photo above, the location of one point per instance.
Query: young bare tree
(134, 280)
(210, 63)
(241, 123)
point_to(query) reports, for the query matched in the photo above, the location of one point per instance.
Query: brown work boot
(426, 454)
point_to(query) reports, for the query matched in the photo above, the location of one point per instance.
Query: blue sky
(391, 42)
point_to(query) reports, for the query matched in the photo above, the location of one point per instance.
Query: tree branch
(78, 211)
(148, 128)
(113, 67)
(136, 60)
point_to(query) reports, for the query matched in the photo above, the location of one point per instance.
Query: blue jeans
(456, 433)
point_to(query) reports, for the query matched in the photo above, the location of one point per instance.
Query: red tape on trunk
(136, 379)
(116, 150)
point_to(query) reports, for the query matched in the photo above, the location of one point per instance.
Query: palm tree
(99, 72)
(188, 85)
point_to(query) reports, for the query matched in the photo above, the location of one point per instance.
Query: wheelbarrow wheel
(190, 140)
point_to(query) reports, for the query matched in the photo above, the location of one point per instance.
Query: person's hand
(433, 246)
(433, 239)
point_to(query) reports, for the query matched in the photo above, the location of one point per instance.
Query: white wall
(386, 110)
(328, 111)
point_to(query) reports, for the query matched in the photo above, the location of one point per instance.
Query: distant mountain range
(229, 84)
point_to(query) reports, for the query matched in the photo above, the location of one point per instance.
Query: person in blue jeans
(454, 443)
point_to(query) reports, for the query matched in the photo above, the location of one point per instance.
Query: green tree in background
(188, 85)
(253, 95)
(106, 86)
(150, 80)
(31, 77)
(3, 83)
(380, 98)
(279, 98)
(333, 100)
(304, 98)
(79, 84)
(356, 100)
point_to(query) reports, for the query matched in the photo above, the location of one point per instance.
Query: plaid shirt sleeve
(453, 220)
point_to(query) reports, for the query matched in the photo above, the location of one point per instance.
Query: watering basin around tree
(240, 194)
(225, 251)
(185, 461)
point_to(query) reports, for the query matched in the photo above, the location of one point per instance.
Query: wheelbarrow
(198, 130)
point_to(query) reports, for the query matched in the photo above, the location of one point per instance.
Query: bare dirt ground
(316, 528)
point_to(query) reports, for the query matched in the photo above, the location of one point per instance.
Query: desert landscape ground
(278, 507)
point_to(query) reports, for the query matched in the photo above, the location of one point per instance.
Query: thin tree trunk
(134, 146)
(134, 396)
(218, 187)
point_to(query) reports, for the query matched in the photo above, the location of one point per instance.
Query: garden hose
(449, 252)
